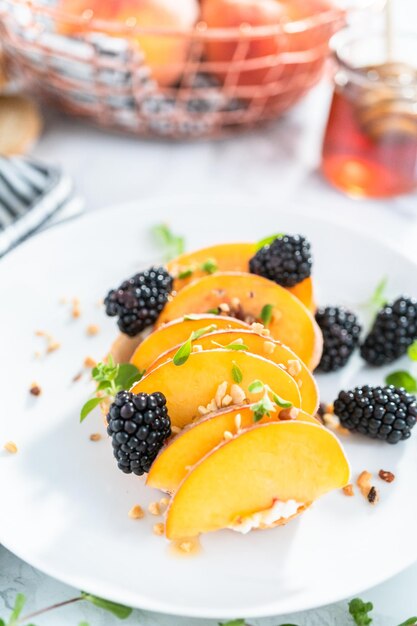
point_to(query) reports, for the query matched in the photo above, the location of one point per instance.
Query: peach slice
(195, 383)
(291, 322)
(264, 346)
(196, 440)
(176, 332)
(276, 461)
(229, 257)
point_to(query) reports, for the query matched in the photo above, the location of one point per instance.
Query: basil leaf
(214, 311)
(412, 351)
(105, 384)
(119, 610)
(237, 373)
(89, 406)
(127, 375)
(183, 352)
(266, 314)
(256, 386)
(379, 298)
(402, 379)
(268, 240)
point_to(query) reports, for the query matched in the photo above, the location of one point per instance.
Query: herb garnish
(360, 610)
(379, 296)
(232, 346)
(184, 351)
(111, 379)
(268, 240)
(210, 266)
(265, 405)
(266, 314)
(237, 374)
(185, 274)
(215, 311)
(404, 379)
(171, 245)
(412, 351)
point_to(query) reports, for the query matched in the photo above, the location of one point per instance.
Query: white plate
(65, 504)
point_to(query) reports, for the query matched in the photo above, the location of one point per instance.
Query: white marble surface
(278, 162)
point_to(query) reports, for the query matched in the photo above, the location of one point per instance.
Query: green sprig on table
(404, 378)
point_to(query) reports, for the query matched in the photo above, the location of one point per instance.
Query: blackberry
(138, 425)
(385, 413)
(287, 260)
(394, 329)
(341, 331)
(139, 300)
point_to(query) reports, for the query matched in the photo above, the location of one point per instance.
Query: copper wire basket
(101, 73)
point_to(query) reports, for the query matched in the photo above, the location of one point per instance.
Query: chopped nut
(163, 504)
(202, 410)
(373, 495)
(154, 508)
(288, 414)
(176, 429)
(186, 546)
(265, 332)
(294, 367)
(364, 483)
(136, 512)
(76, 311)
(212, 406)
(249, 319)
(227, 435)
(348, 490)
(11, 447)
(220, 393)
(92, 329)
(227, 400)
(89, 362)
(257, 327)
(238, 421)
(388, 477)
(35, 389)
(63, 300)
(77, 377)
(95, 437)
(237, 393)
(37, 354)
(41, 333)
(282, 366)
(159, 529)
(239, 341)
(197, 348)
(52, 346)
(224, 307)
(269, 347)
(235, 302)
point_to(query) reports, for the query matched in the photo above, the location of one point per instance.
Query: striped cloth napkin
(32, 196)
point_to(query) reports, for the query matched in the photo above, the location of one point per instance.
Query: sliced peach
(291, 322)
(229, 257)
(277, 461)
(176, 332)
(264, 346)
(196, 440)
(194, 384)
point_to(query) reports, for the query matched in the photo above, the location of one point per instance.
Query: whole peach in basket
(164, 55)
(259, 47)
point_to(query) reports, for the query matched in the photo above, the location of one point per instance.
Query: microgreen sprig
(171, 245)
(266, 241)
(182, 354)
(265, 405)
(266, 314)
(404, 378)
(111, 378)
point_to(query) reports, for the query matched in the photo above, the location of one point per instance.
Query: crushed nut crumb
(52, 346)
(76, 311)
(41, 333)
(197, 348)
(227, 435)
(294, 367)
(154, 508)
(163, 504)
(235, 302)
(92, 329)
(77, 377)
(186, 546)
(175, 430)
(238, 421)
(237, 393)
(35, 389)
(159, 529)
(202, 410)
(373, 495)
(11, 447)
(227, 400)
(388, 477)
(269, 347)
(348, 490)
(364, 483)
(289, 414)
(95, 437)
(136, 512)
(299, 383)
(224, 307)
(89, 362)
(220, 393)
(257, 327)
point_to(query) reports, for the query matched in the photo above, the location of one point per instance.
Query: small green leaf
(283, 404)
(2, 622)
(411, 621)
(83, 624)
(412, 351)
(234, 622)
(190, 318)
(210, 266)
(105, 384)
(127, 375)
(182, 354)
(236, 346)
(268, 240)
(203, 331)
(379, 298)
(256, 386)
(119, 610)
(360, 610)
(215, 311)
(171, 245)
(19, 603)
(237, 373)
(89, 406)
(185, 274)
(263, 407)
(403, 379)
(266, 314)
